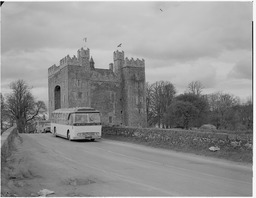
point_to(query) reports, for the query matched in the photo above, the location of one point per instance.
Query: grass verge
(234, 155)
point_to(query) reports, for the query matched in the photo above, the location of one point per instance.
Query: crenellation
(118, 55)
(134, 63)
(68, 61)
(53, 69)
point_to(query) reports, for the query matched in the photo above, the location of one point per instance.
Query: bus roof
(76, 109)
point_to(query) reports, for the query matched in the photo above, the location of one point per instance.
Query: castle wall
(134, 96)
(105, 98)
(59, 78)
(78, 86)
(118, 92)
(105, 94)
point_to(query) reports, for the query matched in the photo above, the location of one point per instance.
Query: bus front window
(81, 118)
(94, 118)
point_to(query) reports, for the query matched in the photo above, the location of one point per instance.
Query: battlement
(134, 63)
(53, 69)
(69, 61)
(63, 62)
(81, 53)
(118, 55)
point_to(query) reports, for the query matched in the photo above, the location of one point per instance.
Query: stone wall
(134, 96)
(7, 142)
(185, 139)
(105, 98)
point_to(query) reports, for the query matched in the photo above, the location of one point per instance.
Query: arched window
(57, 97)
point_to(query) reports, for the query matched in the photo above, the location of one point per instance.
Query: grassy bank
(237, 155)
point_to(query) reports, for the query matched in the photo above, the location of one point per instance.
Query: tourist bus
(76, 123)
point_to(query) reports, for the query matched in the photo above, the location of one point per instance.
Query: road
(112, 168)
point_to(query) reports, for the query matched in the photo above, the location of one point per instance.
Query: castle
(118, 92)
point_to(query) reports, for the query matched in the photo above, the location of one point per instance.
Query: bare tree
(161, 94)
(195, 87)
(221, 105)
(22, 105)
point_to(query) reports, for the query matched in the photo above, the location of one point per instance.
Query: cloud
(182, 74)
(32, 66)
(238, 87)
(191, 32)
(242, 70)
(187, 41)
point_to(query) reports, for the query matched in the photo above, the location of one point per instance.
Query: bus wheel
(68, 136)
(92, 140)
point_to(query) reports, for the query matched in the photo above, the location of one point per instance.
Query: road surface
(112, 168)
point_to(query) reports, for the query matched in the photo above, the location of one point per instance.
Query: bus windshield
(81, 118)
(94, 118)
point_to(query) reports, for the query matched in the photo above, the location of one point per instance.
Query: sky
(210, 42)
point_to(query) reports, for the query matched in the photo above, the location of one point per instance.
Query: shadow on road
(76, 141)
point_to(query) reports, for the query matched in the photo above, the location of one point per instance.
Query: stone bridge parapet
(7, 141)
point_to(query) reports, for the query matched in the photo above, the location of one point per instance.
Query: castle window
(79, 95)
(137, 100)
(110, 119)
(77, 83)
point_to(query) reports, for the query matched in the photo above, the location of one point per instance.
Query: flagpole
(85, 40)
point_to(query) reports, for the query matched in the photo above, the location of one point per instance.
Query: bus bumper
(86, 137)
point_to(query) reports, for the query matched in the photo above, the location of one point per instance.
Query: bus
(76, 123)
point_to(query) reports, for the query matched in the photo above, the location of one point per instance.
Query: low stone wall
(185, 139)
(7, 142)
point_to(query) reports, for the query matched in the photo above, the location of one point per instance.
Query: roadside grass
(225, 153)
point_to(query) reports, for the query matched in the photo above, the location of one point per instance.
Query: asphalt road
(112, 168)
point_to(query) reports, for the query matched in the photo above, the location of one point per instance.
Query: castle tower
(134, 92)
(83, 57)
(118, 62)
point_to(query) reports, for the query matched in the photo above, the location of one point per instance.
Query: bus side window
(70, 120)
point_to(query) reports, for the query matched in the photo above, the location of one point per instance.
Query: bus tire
(68, 136)
(92, 140)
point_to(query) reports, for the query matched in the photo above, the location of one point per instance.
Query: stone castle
(118, 92)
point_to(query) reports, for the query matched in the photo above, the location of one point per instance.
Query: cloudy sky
(210, 42)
